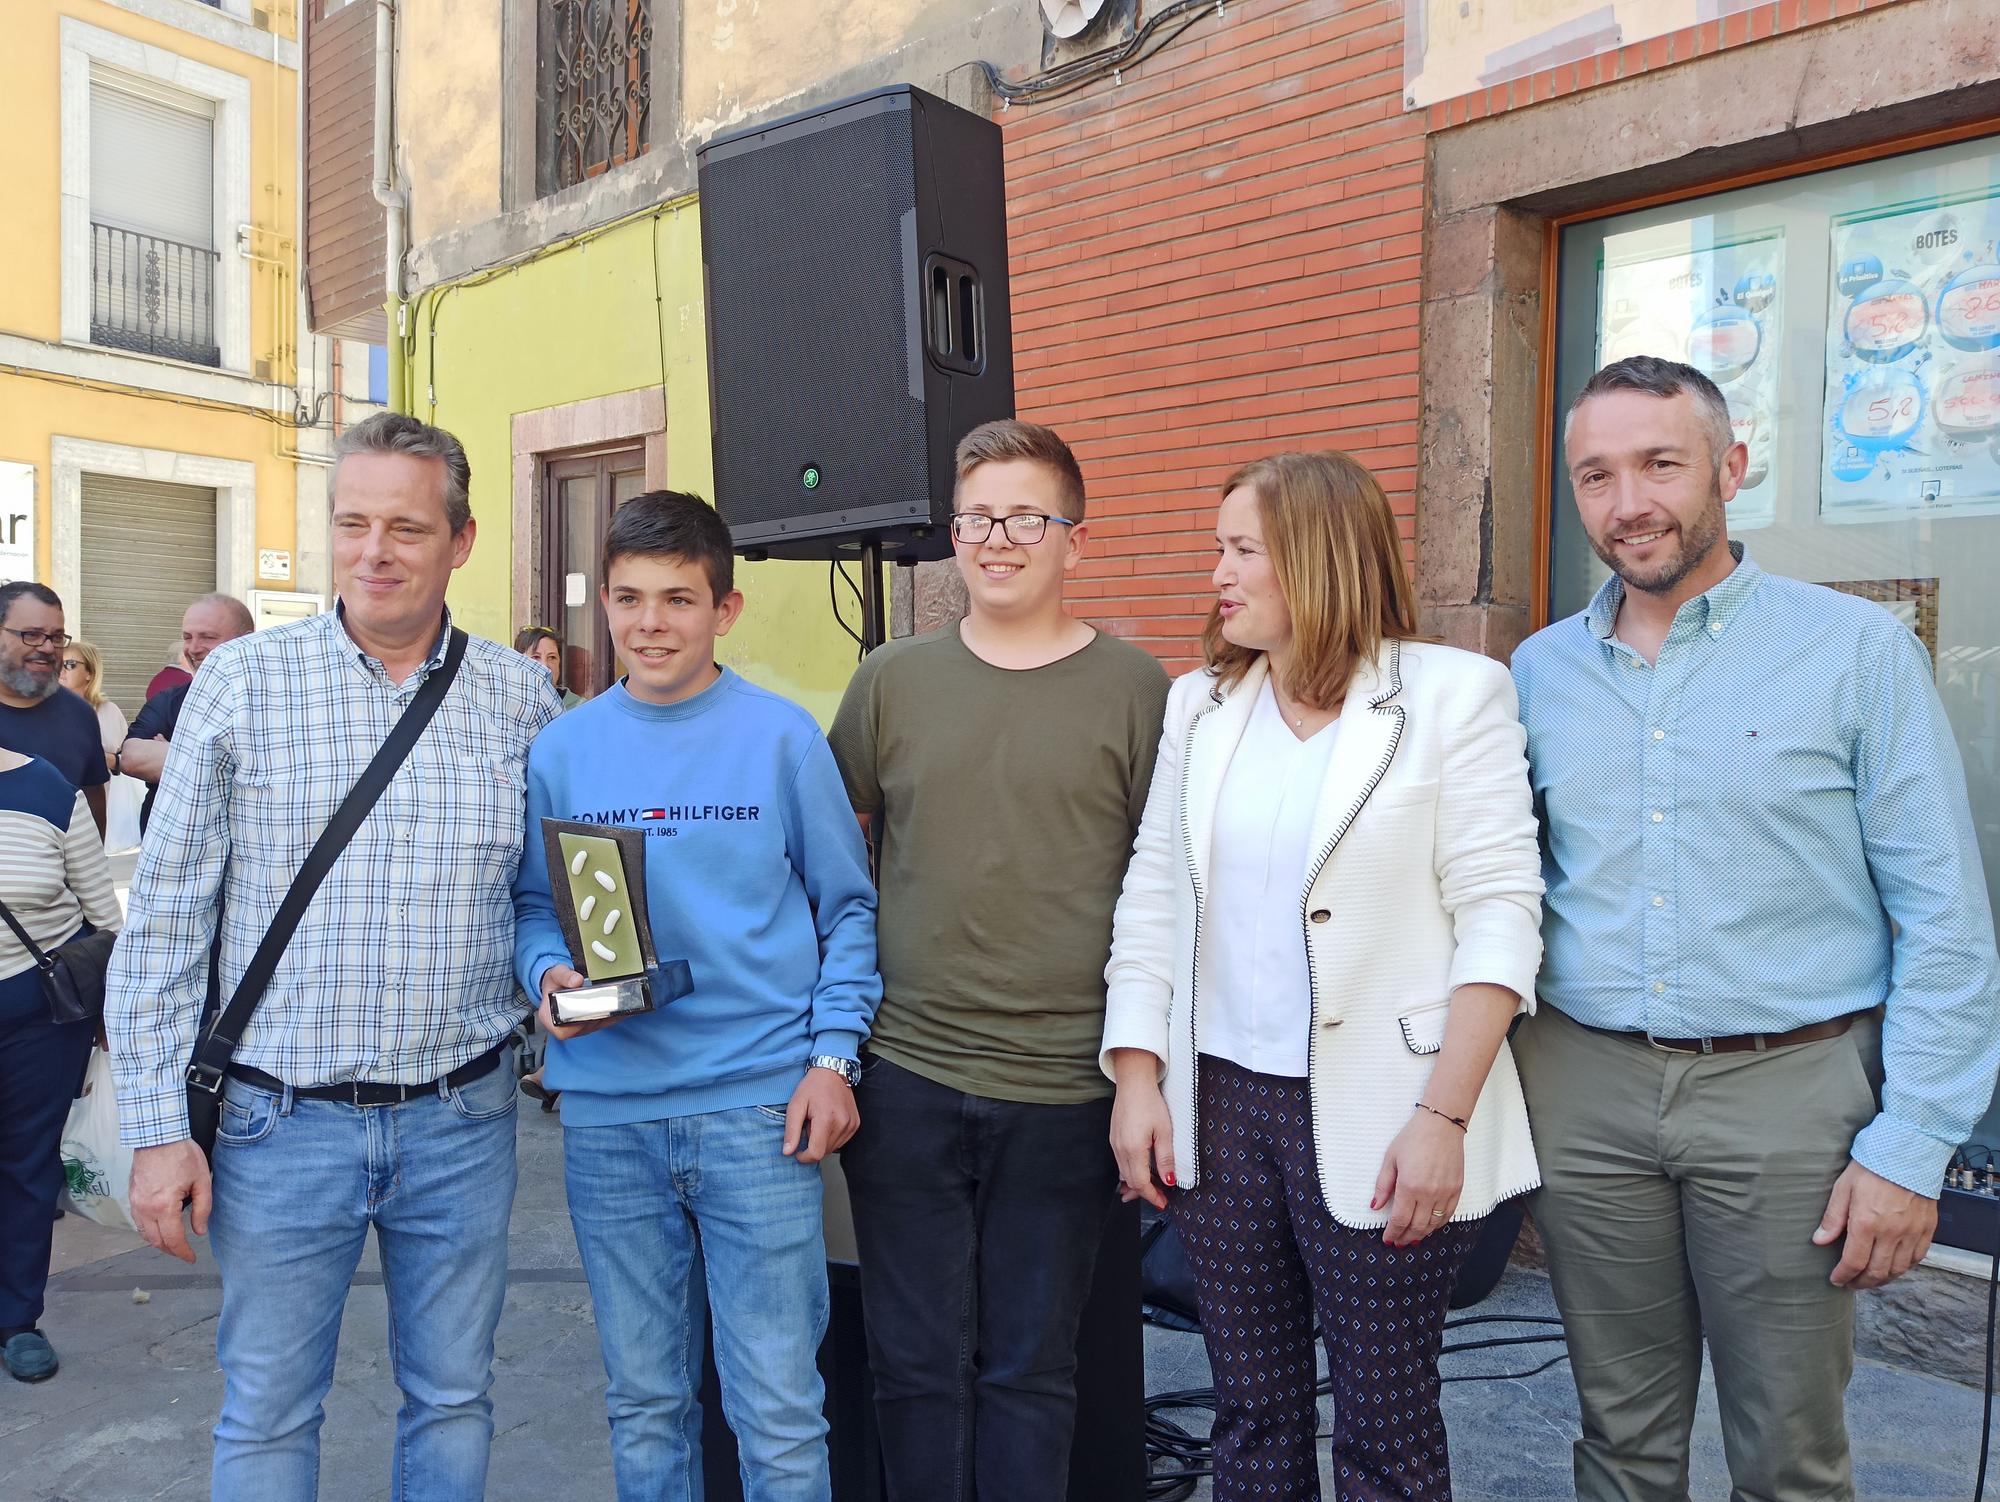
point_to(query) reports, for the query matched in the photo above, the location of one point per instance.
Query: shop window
(1852, 319)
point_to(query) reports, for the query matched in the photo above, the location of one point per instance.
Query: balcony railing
(152, 295)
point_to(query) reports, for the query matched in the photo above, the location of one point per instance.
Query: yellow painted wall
(449, 91)
(31, 156)
(583, 321)
(34, 409)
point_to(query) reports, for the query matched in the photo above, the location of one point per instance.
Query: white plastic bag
(97, 1167)
(122, 797)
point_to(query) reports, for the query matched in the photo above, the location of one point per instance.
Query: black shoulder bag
(214, 1047)
(73, 974)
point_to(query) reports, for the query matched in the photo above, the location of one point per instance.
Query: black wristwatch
(847, 1069)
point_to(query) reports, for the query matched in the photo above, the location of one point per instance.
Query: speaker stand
(874, 608)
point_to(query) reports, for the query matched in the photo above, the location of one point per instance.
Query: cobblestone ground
(128, 1416)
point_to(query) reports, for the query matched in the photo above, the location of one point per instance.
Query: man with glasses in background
(38, 716)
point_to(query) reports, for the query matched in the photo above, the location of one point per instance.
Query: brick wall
(1214, 260)
(1219, 257)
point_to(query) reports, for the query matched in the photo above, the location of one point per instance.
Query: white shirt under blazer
(1423, 874)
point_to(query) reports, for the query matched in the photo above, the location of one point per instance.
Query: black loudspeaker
(856, 278)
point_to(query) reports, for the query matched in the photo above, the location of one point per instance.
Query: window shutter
(152, 165)
(148, 553)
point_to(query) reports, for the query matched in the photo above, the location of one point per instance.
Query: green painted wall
(583, 322)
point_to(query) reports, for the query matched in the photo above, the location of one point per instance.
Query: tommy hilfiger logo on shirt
(679, 813)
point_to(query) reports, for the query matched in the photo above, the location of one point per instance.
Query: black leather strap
(35, 953)
(215, 1048)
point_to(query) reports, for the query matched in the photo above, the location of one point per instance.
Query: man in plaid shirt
(369, 1087)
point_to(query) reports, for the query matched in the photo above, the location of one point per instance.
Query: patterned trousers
(1267, 1256)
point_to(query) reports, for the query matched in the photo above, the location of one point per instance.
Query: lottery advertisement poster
(1720, 309)
(1913, 363)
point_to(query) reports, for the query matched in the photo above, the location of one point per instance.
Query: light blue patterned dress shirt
(1767, 828)
(403, 966)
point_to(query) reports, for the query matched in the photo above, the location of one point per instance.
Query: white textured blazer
(1424, 874)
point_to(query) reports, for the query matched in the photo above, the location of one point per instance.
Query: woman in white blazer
(1330, 920)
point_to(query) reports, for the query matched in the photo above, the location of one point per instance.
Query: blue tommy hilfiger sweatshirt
(756, 875)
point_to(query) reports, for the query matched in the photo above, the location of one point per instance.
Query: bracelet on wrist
(1457, 1121)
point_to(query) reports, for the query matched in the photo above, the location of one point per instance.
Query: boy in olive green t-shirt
(1002, 766)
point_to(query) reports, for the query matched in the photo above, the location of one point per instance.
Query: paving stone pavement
(127, 1419)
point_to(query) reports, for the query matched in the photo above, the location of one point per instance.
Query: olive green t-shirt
(1005, 803)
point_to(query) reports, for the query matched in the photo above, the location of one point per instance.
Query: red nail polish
(1170, 1181)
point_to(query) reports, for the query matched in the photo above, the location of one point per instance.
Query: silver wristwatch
(847, 1069)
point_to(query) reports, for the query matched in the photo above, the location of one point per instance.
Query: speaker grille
(811, 246)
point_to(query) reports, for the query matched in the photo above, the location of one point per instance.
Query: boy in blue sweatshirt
(692, 1134)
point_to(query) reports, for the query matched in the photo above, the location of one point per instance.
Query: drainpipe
(392, 198)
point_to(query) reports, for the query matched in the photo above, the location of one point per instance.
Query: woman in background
(56, 884)
(546, 647)
(83, 674)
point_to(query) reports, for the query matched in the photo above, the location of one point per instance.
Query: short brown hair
(1339, 561)
(1009, 438)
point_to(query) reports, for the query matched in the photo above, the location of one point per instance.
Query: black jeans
(978, 1223)
(41, 1069)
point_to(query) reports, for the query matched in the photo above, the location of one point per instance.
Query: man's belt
(1812, 1032)
(368, 1093)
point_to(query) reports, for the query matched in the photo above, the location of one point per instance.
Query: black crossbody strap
(42, 961)
(212, 1055)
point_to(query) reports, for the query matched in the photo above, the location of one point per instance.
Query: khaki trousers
(1679, 1197)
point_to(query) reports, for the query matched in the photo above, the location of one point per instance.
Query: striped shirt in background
(402, 967)
(53, 875)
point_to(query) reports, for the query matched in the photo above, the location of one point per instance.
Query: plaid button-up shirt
(401, 968)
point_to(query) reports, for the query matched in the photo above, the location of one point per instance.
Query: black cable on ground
(1176, 1458)
(1986, 1392)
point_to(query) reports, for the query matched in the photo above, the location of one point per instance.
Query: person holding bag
(55, 888)
(1328, 924)
(349, 791)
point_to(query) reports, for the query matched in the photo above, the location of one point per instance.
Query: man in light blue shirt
(1771, 1004)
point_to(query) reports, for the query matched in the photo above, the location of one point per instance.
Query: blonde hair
(1009, 438)
(93, 663)
(1338, 558)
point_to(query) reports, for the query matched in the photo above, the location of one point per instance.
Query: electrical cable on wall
(1078, 73)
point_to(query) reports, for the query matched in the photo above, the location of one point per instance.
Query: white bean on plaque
(588, 903)
(576, 865)
(611, 919)
(605, 881)
(602, 952)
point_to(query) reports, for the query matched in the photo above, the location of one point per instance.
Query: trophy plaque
(597, 877)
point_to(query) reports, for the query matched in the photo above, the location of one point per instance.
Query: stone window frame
(624, 417)
(87, 50)
(661, 161)
(1498, 193)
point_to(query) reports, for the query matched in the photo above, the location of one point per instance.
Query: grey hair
(399, 433)
(1649, 375)
(239, 613)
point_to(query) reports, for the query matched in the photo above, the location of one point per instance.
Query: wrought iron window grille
(153, 295)
(594, 101)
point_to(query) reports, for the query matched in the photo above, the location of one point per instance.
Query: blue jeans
(679, 1217)
(297, 1185)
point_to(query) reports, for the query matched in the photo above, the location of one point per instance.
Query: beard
(19, 680)
(1699, 537)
